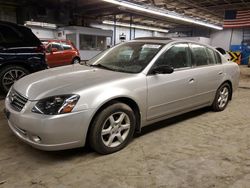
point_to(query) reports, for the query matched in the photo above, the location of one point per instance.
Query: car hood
(64, 80)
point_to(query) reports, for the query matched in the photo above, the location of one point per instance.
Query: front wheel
(222, 97)
(9, 75)
(76, 60)
(112, 129)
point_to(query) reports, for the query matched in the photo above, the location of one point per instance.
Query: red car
(61, 52)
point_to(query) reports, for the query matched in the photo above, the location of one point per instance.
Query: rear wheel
(112, 129)
(222, 97)
(9, 75)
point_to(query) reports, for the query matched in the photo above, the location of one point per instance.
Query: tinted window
(217, 57)
(199, 55)
(12, 35)
(9, 35)
(48, 48)
(176, 57)
(66, 46)
(57, 46)
(211, 57)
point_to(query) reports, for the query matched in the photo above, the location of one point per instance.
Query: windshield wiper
(100, 66)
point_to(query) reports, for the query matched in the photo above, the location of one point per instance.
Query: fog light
(36, 139)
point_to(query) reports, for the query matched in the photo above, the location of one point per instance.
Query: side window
(57, 46)
(48, 48)
(177, 57)
(66, 46)
(199, 55)
(211, 57)
(217, 57)
(10, 36)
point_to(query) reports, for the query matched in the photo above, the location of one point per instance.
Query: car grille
(17, 101)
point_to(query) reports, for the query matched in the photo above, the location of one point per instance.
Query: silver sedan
(123, 89)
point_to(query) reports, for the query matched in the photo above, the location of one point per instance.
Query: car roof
(163, 40)
(56, 40)
(13, 25)
(166, 40)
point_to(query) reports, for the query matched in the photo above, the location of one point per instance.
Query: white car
(114, 95)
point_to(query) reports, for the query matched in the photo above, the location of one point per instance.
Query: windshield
(131, 57)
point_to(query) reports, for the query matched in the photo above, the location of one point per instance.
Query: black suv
(21, 53)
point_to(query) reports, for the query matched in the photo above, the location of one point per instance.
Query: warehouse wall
(226, 38)
(43, 33)
(126, 31)
(8, 13)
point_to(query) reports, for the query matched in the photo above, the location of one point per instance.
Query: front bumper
(47, 132)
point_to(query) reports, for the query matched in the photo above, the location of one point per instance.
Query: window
(125, 54)
(90, 42)
(101, 43)
(48, 48)
(199, 55)
(87, 42)
(66, 46)
(176, 57)
(131, 57)
(71, 37)
(57, 46)
(9, 36)
(211, 57)
(218, 58)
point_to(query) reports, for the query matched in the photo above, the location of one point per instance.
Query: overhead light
(161, 12)
(135, 26)
(40, 24)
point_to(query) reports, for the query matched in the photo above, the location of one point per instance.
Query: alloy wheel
(115, 129)
(11, 77)
(223, 97)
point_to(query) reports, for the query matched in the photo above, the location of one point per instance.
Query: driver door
(171, 93)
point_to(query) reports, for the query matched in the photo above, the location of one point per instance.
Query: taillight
(40, 49)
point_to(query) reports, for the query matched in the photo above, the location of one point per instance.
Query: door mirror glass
(163, 69)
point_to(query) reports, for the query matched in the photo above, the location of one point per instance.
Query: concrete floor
(199, 149)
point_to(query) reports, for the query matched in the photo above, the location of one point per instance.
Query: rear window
(17, 36)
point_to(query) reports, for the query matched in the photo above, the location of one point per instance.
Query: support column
(130, 28)
(114, 30)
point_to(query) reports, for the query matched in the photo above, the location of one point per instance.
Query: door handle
(220, 73)
(191, 81)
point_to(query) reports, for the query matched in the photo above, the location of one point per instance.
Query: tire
(108, 135)
(222, 97)
(9, 75)
(76, 60)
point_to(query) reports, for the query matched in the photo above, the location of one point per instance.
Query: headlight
(56, 105)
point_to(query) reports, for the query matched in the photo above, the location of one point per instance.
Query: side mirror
(162, 69)
(54, 50)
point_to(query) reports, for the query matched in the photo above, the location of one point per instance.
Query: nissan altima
(105, 101)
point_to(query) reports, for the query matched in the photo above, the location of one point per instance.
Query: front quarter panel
(133, 87)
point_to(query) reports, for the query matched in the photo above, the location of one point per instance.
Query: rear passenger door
(208, 72)
(68, 53)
